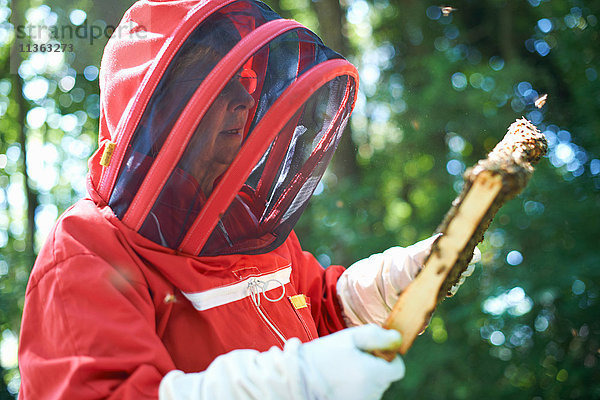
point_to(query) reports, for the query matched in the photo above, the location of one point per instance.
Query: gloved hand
(369, 288)
(339, 366)
(334, 367)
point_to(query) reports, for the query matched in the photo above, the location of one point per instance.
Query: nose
(238, 97)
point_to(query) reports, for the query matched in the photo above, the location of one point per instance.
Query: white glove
(369, 288)
(339, 367)
(335, 367)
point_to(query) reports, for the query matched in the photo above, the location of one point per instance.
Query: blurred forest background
(437, 92)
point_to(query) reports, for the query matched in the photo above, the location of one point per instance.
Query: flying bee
(447, 10)
(539, 103)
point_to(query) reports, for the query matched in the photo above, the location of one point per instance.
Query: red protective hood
(155, 102)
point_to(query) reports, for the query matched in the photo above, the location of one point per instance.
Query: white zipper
(257, 287)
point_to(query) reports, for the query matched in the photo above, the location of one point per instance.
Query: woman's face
(219, 135)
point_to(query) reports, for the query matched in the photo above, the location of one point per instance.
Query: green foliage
(437, 94)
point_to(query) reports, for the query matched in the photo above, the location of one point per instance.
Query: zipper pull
(265, 289)
(253, 288)
(256, 287)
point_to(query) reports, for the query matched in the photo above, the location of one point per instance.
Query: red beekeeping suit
(158, 270)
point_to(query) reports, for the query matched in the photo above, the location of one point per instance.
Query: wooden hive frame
(488, 185)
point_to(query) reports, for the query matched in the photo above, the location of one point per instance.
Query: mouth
(233, 132)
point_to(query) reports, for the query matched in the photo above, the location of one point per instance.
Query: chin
(226, 158)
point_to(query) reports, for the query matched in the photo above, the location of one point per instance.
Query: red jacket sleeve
(88, 332)
(318, 284)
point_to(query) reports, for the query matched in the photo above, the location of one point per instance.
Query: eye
(248, 79)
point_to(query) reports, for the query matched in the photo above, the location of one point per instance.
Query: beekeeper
(180, 276)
